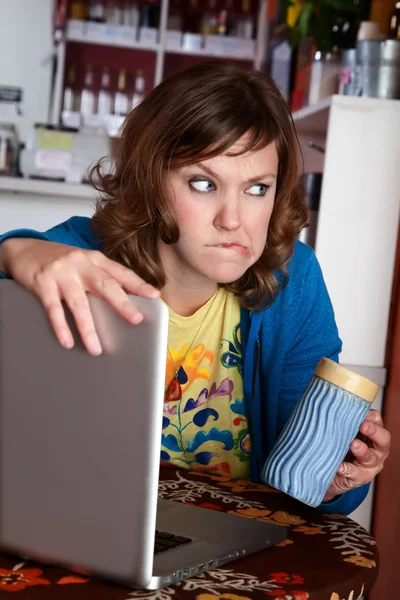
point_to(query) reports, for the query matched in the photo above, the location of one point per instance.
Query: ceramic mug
(316, 439)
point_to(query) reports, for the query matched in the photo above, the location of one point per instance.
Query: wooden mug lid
(348, 380)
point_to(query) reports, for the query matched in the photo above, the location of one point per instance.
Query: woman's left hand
(368, 457)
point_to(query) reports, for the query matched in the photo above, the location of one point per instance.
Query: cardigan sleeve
(76, 231)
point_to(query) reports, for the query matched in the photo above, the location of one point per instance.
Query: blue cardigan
(281, 346)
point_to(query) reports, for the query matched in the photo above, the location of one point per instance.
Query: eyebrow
(252, 180)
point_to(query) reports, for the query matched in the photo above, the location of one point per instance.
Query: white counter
(37, 204)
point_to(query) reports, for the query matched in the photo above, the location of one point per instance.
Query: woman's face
(222, 206)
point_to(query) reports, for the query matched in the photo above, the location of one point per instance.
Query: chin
(226, 274)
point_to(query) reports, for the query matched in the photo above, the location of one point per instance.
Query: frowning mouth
(232, 247)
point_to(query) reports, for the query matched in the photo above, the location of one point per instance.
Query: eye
(202, 185)
(258, 189)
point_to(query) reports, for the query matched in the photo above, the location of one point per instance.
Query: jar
(318, 434)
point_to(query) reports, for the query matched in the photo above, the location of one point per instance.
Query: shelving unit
(313, 119)
(359, 215)
(357, 224)
(119, 37)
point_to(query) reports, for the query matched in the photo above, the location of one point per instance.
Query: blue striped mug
(317, 437)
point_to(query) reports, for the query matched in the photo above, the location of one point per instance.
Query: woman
(203, 208)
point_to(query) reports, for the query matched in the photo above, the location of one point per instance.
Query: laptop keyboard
(166, 541)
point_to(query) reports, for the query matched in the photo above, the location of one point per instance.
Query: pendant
(174, 391)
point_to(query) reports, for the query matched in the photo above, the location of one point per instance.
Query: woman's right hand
(56, 272)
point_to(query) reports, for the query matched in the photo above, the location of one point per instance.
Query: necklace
(174, 390)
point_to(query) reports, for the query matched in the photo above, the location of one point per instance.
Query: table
(325, 557)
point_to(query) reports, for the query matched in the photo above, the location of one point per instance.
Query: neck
(183, 300)
(185, 291)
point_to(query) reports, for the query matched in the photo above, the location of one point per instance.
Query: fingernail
(341, 469)
(356, 445)
(94, 345)
(367, 426)
(67, 342)
(154, 293)
(136, 318)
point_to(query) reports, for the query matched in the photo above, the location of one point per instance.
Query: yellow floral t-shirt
(204, 426)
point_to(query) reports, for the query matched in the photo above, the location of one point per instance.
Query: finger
(131, 282)
(354, 474)
(374, 416)
(366, 456)
(358, 448)
(108, 288)
(379, 436)
(77, 301)
(48, 293)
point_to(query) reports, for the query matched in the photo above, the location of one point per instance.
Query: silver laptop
(80, 453)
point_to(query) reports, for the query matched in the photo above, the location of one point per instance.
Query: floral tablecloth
(326, 557)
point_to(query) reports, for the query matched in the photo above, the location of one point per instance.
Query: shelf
(208, 53)
(104, 41)
(313, 119)
(118, 43)
(46, 188)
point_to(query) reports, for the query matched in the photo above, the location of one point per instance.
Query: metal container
(389, 72)
(369, 79)
(368, 52)
(350, 76)
(313, 186)
(368, 58)
(390, 52)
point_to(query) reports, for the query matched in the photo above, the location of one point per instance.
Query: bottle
(245, 26)
(131, 14)
(175, 17)
(150, 15)
(87, 106)
(138, 94)
(121, 98)
(104, 100)
(69, 94)
(231, 18)
(97, 12)
(225, 24)
(222, 22)
(78, 10)
(394, 23)
(209, 24)
(114, 12)
(192, 22)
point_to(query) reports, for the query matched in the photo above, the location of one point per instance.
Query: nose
(228, 215)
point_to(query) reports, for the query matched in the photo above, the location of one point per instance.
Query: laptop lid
(80, 490)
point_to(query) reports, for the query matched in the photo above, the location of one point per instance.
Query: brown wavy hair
(194, 115)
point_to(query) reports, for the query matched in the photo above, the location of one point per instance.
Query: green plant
(328, 22)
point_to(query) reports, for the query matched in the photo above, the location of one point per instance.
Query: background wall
(380, 11)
